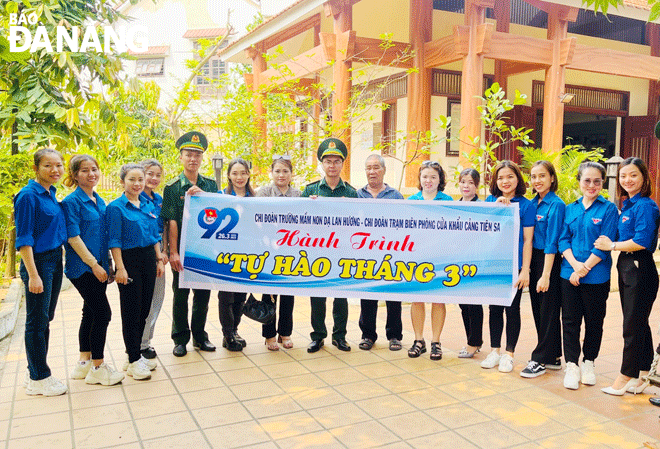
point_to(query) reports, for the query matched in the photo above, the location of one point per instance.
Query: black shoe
(180, 350)
(315, 346)
(204, 346)
(341, 344)
(149, 353)
(240, 339)
(231, 344)
(655, 401)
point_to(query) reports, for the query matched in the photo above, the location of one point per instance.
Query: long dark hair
(74, 167)
(230, 187)
(551, 169)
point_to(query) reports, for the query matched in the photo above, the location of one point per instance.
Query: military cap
(332, 147)
(193, 140)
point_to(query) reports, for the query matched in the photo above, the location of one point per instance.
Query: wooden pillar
(342, 13)
(502, 16)
(653, 41)
(472, 80)
(258, 67)
(419, 85)
(553, 108)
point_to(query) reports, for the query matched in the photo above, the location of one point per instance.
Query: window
(389, 130)
(150, 67)
(212, 69)
(453, 111)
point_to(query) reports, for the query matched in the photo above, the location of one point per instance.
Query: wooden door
(520, 116)
(639, 141)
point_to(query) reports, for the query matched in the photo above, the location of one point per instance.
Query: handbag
(260, 311)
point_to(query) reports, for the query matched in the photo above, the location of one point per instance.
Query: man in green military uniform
(331, 153)
(191, 150)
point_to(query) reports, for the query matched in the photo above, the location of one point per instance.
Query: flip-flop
(395, 344)
(366, 344)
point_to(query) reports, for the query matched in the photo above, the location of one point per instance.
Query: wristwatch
(613, 246)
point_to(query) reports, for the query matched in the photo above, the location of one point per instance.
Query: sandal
(287, 343)
(418, 348)
(395, 344)
(436, 350)
(366, 344)
(272, 345)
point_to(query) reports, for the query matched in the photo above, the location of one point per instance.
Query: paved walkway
(292, 399)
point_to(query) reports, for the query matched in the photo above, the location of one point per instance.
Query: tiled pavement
(292, 399)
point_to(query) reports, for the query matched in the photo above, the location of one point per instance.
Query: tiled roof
(152, 51)
(203, 33)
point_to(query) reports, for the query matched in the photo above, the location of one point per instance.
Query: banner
(429, 251)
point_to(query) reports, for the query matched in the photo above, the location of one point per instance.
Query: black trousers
(200, 307)
(638, 287)
(368, 313)
(285, 321)
(496, 324)
(230, 308)
(546, 308)
(96, 314)
(473, 320)
(135, 297)
(588, 301)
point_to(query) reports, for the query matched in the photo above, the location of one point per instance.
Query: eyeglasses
(430, 164)
(277, 157)
(595, 182)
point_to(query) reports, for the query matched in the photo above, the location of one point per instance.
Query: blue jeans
(40, 310)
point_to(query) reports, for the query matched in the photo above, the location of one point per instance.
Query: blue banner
(429, 251)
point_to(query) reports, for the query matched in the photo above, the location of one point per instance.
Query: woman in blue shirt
(638, 276)
(431, 185)
(153, 172)
(544, 285)
(40, 234)
(472, 314)
(87, 267)
(230, 304)
(585, 273)
(508, 186)
(135, 244)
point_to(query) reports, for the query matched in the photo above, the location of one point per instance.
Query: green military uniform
(173, 201)
(329, 147)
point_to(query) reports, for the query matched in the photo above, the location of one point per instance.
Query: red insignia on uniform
(539, 217)
(195, 138)
(211, 213)
(624, 219)
(596, 220)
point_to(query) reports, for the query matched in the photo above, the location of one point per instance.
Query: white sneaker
(572, 376)
(492, 360)
(588, 375)
(81, 369)
(150, 363)
(138, 370)
(50, 386)
(105, 375)
(506, 364)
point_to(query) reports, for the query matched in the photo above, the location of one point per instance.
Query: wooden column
(472, 80)
(502, 16)
(342, 13)
(553, 108)
(258, 67)
(419, 85)
(653, 41)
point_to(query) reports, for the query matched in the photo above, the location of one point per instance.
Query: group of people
(564, 259)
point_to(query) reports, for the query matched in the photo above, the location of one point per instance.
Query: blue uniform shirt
(639, 222)
(549, 222)
(441, 196)
(389, 193)
(130, 227)
(86, 219)
(527, 220)
(581, 229)
(39, 218)
(157, 201)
